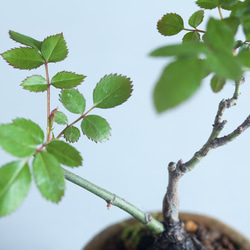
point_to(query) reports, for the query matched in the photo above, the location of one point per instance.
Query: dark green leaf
(31, 128)
(73, 101)
(54, 48)
(227, 4)
(219, 35)
(48, 176)
(217, 83)
(189, 48)
(196, 19)
(207, 4)
(66, 80)
(15, 181)
(72, 134)
(16, 140)
(64, 153)
(178, 82)
(224, 65)
(35, 83)
(61, 118)
(170, 24)
(26, 40)
(23, 58)
(111, 91)
(95, 128)
(246, 28)
(191, 37)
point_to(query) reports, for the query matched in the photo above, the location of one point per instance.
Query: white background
(106, 37)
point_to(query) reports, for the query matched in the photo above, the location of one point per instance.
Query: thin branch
(115, 200)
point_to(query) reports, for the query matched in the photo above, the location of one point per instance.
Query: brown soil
(210, 238)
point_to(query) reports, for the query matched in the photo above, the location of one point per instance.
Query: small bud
(171, 166)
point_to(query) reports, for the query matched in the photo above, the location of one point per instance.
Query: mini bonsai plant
(214, 53)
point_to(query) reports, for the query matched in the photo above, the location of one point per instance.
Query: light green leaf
(61, 118)
(16, 140)
(196, 19)
(23, 58)
(26, 40)
(178, 82)
(15, 181)
(189, 48)
(54, 48)
(224, 65)
(191, 37)
(217, 83)
(170, 24)
(35, 83)
(219, 35)
(244, 57)
(72, 134)
(66, 80)
(72, 100)
(95, 128)
(111, 91)
(64, 153)
(48, 176)
(31, 128)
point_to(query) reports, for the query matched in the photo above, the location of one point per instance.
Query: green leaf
(224, 64)
(207, 4)
(31, 128)
(26, 40)
(64, 153)
(95, 128)
(233, 23)
(227, 4)
(48, 176)
(61, 118)
(196, 19)
(191, 37)
(219, 35)
(72, 100)
(217, 83)
(178, 82)
(15, 182)
(35, 83)
(66, 80)
(111, 91)
(170, 24)
(244, 57)
(23, 58)
(72, 134)
(16, 140)
(246, 28)
(189, 48)
(54, 48)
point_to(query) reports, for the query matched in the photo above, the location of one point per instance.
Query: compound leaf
(178, 82)
(48, 176)
(35, 83)
(61, 118)
(54, 48)
(26, 40)
(23, 58)
(112, 90)
(95, 128)
(72, 134)
(64, 153)
(15, 182)
(72, 100)
(66, 80)
(196, 19)
(170, 24)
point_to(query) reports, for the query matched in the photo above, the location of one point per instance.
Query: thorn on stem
(110, 202)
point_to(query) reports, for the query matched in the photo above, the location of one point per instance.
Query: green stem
(197, 30)
(48, 100)
(115, 200)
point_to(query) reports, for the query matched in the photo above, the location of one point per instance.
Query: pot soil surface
(131, 235)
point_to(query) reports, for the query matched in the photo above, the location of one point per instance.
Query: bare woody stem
(176, 171)
(115, 200)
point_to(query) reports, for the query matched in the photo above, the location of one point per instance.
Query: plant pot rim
(97, 242)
